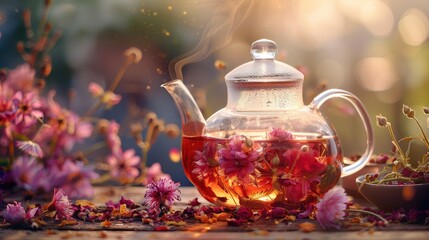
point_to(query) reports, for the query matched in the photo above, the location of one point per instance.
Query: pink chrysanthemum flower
(29, 109)
(330, 209)
(77, 179)
(15, 213)
(238, 158)
(61, 205)
(24, 171)
(31, 148)
(123, 165)
(22, 78)
(279, 134)
(161, 193)
(154, 173)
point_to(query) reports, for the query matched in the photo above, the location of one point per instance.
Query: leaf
(329, 179)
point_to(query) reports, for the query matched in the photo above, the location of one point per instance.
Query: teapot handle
(331, 93)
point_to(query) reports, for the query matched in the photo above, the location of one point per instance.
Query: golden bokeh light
(174, 155)
(414, 27)
(377, 17)
(376, 74)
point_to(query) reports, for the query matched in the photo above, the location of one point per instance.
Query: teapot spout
(193, 121)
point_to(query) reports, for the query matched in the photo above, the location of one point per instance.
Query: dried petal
(307, 227)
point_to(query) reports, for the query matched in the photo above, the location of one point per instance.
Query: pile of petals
(156, 210)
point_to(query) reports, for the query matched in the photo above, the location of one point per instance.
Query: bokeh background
(378, 50)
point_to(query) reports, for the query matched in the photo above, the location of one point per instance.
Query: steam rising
(227, 17)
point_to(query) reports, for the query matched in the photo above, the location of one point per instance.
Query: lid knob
(263, 49)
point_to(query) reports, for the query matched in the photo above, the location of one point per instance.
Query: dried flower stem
(424, 137)
(370, 213)
(402, 156)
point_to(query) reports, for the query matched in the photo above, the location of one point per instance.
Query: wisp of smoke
(227, 17)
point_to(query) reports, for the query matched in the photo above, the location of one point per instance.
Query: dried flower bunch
(44, 145)
(400, 170)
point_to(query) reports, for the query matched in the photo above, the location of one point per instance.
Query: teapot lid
(264, 67)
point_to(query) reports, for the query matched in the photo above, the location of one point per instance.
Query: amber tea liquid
(263, 173)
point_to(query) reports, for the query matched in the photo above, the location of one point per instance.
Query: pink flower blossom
(31, 148)
(65, 127)
(330, 209)
(123, 165)
(238, 158)
(296, 190)
(9, 105)
(95, 89)
(154, 173)
(61, 205)
(113, 140)
(24, 171)
(161, 193)
(76, 179)
(304, 162)
(29, 109)
(22, 78)
(279, 134)
(15, 213)
(111, 99)
(205, 161)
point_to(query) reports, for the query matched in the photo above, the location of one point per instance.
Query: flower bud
(304, 148)
(407, 111)
(381, 121)
(134, 54)
(151, 117)
(426, 110)
(172, 130)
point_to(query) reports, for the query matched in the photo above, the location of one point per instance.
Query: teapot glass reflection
(265, 148)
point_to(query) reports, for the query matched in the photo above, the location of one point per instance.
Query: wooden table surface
(217, 230)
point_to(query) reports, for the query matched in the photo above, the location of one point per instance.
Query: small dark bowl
(394, 197)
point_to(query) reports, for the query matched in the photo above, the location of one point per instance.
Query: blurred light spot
(317, 23)
(170, 8)
(166, 33)
(408, 193)
(219, 65)
(414, 27)
(147, 87)
(142, 10)
(377, 17)
(332, 71)
(155, 13)
(352, 8)
(174, 155)
(185, 13)
(376, 74)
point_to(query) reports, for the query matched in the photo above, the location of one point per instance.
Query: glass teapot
(265, 148)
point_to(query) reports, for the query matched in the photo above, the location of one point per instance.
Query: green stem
(424, 137)
(403, 157)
